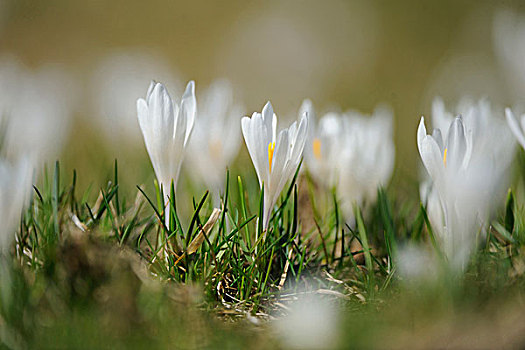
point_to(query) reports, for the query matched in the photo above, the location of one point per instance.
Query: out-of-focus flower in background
(467, 166)
(275, 157)
(216, 136)
(36, 108)
(116, 82)
(351, 152)
(15, 187)
(322, 148)
(366, 159)
(166, 128)
(311, 323)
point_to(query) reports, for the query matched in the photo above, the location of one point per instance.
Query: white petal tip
(190, 88)
(307, 103)
(268, 105)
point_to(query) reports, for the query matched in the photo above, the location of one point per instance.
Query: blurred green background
(350, 54)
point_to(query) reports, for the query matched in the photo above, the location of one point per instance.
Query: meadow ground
(108, 273)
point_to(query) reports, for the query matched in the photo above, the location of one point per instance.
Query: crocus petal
(421, 133)
(441, 119)
(181, 127)
(274, 127)
(143, 114)
(188, 108)
(456, 144)
(299, 142)
(522, 122)
(150, 88)
(280, 160)
(268, 116)
(431, 157)
(249, 139)
(257, 141)
(436, 134)
(308, 109)
(515, 127)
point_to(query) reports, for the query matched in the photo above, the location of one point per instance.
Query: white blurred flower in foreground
(467, 169)
(416, 264)
(117, 81)
(166, 128)
(516, 126)
(312, 323)
(15, 186)
(275, 157)
(216, 136)
(36, 107)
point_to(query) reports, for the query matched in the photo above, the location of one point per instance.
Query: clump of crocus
(166, 128)
(275, 156)
(466, 163)
(352, 153)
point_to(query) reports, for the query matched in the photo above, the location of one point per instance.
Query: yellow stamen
(445, 157)
(316, 145)
(271, 148)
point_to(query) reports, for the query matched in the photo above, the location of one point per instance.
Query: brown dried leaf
(197, 241)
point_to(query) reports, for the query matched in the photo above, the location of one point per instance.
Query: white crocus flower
(488, 134)
(366, 158)
(322, 148)
(216, 137)
(351, 152)
(275, 157)
(464, 182)
(15, 186)
(166, 128)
